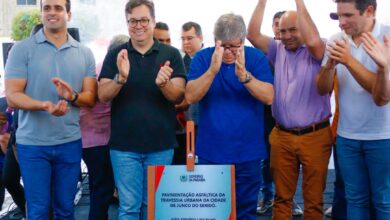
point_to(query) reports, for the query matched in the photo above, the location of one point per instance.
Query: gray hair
(229, 27)
(118, 40)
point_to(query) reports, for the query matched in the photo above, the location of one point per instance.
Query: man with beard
(48, 76)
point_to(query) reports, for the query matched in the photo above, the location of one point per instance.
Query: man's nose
(286, 35)
(342, 22)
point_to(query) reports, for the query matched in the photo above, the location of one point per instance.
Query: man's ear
(69, 15)
(370, 11)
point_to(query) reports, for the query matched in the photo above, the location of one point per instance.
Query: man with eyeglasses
(192, 42)
(143, 79)
(302, 133)
(232, 83)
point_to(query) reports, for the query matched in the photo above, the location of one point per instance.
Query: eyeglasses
(232, 48)
(189, 38)
(143, 21)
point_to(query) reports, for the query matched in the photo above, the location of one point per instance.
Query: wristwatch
(120, 82)
(247, 79)
(76, 96)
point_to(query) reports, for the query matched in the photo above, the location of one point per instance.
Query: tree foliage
(89, 26)
(23, 23)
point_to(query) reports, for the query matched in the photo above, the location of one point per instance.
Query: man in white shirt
(363, 135)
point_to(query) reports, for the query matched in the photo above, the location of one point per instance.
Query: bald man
(301, 135)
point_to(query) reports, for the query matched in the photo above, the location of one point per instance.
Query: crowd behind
(265, 109)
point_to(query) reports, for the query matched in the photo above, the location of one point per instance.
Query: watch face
(248, 78)
(116, 79)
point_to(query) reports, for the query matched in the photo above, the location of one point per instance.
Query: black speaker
(6, 49)
(74, 32)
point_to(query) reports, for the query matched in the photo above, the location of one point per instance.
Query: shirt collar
(155, 47)
(41, 38)
(303, 46)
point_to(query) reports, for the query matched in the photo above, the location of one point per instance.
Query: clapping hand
(59, 109)
(340, 51)
(64, 90)
(379, 52)
(123, 64)
(240, 64)
(164, 74)
(216, 59)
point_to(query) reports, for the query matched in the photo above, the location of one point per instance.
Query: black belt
(305, 130)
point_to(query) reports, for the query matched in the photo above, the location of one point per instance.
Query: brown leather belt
(305, 130)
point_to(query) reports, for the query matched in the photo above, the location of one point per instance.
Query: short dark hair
(188, 25)
(131, 4)
(162, 26)
(67, 5)
(360, 5)
(278, 15)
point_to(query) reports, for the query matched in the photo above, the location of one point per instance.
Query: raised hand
(164, 75)
(379, 52)
(63, 88)
(59, 109)
(216, 59)
(123, 64)
(340, 51)
(240, 64)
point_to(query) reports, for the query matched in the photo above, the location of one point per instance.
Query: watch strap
(247, 79)
(120, 82)
(76, 96)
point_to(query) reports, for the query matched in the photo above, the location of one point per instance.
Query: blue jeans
(50, 173)
(365, 168)
(101, 181)
(339, 206)
(130, 174)
(248, 180)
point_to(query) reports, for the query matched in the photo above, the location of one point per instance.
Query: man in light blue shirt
(48, 76)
